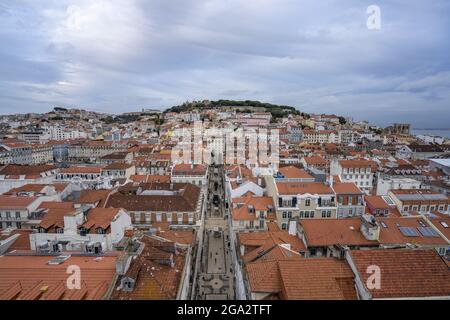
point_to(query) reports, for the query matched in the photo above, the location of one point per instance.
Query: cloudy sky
(122, 55)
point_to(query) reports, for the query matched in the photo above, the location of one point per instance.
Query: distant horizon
(166, 108)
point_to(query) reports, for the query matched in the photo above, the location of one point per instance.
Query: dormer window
(100, 231)
(83, 231)
(59, 230)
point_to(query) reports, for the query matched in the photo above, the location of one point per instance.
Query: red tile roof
(293, 188)
(32, 278)
(303, 279)
(294, 173)
(15, 203)
(346, 188)
(325, 232)
(404, 273)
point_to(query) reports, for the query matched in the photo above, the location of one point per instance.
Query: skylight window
(408, 231)
(428, 232)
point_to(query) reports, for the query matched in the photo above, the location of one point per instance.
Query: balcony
(13, 219)
(326, 205)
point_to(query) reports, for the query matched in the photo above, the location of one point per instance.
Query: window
(289, 214)
(408, 231)
(428, 232)
(100, 231)
(302, 214)
(307, 202)
(18, 225)
(261, 224)
(324, 214)
(283, 226)
(158, 217)
(8, 215)
(306, 214)
(169, 217)
(284, 215)
(441, 208)
(329, 214)
(17, 215)
(59, 230)
(405, 208)
(311, 214)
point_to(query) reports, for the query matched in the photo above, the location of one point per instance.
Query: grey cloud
(319, 56)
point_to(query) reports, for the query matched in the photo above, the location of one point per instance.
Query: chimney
(370, 228)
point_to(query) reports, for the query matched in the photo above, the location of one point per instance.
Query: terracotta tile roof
(100, 218)
(37, 188)
(442, 224)
(315, 160)
(358, 163)
(81, 170)
(303, 279)
(15, 203)
(346, 188)
(93, 196)
(67, 205)
(189, 170)
(115, 156)
(150, 178)
(259, 203)
(22, 242)
(377, 202)
(184, 199)
(178, 236)
(264, 276)
(317, 279)
(155, 280)
(325, 232)
(259, 245)
(242, 206)
(117, 166)
(17, 170)
(54, 218)
(31, 278)
(294, 173)
(405, 273)
(391, 234)
(233, 172)
(293, 188)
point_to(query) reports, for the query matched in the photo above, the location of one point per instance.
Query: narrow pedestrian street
(215, 271)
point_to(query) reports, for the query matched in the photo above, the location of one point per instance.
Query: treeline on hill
(277, 111)
(122, 119)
